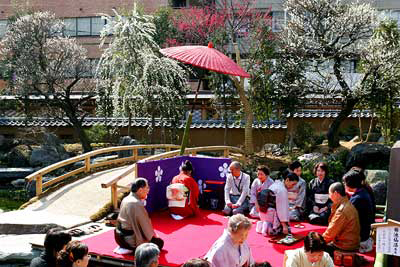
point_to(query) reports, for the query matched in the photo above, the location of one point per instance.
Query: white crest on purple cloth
(158, 173)
(202, 185)
(223, 170)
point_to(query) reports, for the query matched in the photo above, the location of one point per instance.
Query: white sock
(265, 229)
(259, 227)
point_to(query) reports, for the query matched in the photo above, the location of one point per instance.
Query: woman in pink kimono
(231, 249)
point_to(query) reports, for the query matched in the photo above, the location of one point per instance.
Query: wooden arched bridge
(98, 181)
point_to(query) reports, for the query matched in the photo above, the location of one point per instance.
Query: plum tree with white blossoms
(47, 66)
(328, 34)
(132, 75)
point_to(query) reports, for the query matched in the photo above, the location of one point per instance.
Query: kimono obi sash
(292, 196)
(321, 198)
(177, 195)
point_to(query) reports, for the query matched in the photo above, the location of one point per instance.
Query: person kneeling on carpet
(274, 207)
(146, 255)
(236, 189)
(263, 181)
(133, 224)
(75, 254)
(297, 194)
(343, 232)
(183, 193)
(231, 249)
(312, 254)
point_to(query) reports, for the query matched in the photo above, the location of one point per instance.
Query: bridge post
(135, 154)
(87, 164)
(39, 184)
(226, 152)
(114, 196)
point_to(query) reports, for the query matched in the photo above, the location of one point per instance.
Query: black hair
(187, 166)
(294, 165)
(292, 177)
(264, 169)
(197, 262)
(323, 166)
(75, 250)
(138, 183)
(314, 242)
(262, 264)
(353, 179)
(55, 240)
(338, 187)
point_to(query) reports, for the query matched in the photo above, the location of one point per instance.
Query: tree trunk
(333, 132)
(360, 126)
(77, 125)
(370, 126)
(249, 116)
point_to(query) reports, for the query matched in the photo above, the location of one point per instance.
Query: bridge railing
(88, 164)
(227, 151)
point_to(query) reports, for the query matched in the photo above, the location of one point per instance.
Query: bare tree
(48, 68)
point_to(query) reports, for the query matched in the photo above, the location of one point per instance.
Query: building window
(88, 26)
(278, 20)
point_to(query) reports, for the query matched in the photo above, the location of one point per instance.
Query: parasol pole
(185, 137)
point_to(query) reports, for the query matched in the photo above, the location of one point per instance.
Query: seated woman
(231, 249)
(56, 239)
(312, 254)
(319, 204)
(263, 181)
(361, 200)
(183, 193)
(75, 254)
(197, 262)
(274, 207)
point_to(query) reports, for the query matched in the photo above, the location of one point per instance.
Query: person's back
(55, 240)
(362, 202)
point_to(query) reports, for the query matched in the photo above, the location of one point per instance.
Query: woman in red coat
(191, 192)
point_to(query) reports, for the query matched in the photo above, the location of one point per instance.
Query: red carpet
(191, 238)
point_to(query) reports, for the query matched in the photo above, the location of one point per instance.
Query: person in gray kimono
(237, 189)
(297, 194)
(231, 249)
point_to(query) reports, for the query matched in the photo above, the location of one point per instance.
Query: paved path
(69, 206)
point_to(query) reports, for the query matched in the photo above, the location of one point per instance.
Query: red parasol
(205, 57)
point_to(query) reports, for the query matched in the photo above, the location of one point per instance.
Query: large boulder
(50, 152)
(126, 141)
(310, 157)
(19, 156)
(380, 191)
(369, 156)
(30, 187)
(375, 176)
(274, 149)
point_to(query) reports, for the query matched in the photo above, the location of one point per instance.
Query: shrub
(305, 137)
(336, 166)
(97, 133)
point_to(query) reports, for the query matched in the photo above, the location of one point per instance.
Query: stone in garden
(380, 191)
(355, 139)
(19, 183)
(50, 152)
(18, 156)
(375, 176)
(310, 156)
(126, 141)
(369, 156)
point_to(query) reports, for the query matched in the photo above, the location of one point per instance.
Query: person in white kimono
(231, 248)
(297, 194)
(312, 254)
(263, 181)
(274, 211)
(237, 189)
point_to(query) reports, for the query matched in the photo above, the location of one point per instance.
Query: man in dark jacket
(361, 200)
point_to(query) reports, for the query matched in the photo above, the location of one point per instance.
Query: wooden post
(135, 154)
(39, 179)
(114, 196)
(194, 153)
(226, 152)
(87, 164)
(168, 149)
(393, 185)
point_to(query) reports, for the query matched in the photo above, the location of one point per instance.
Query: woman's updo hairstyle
(75, 250)
(187, 166)
(238, 222)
